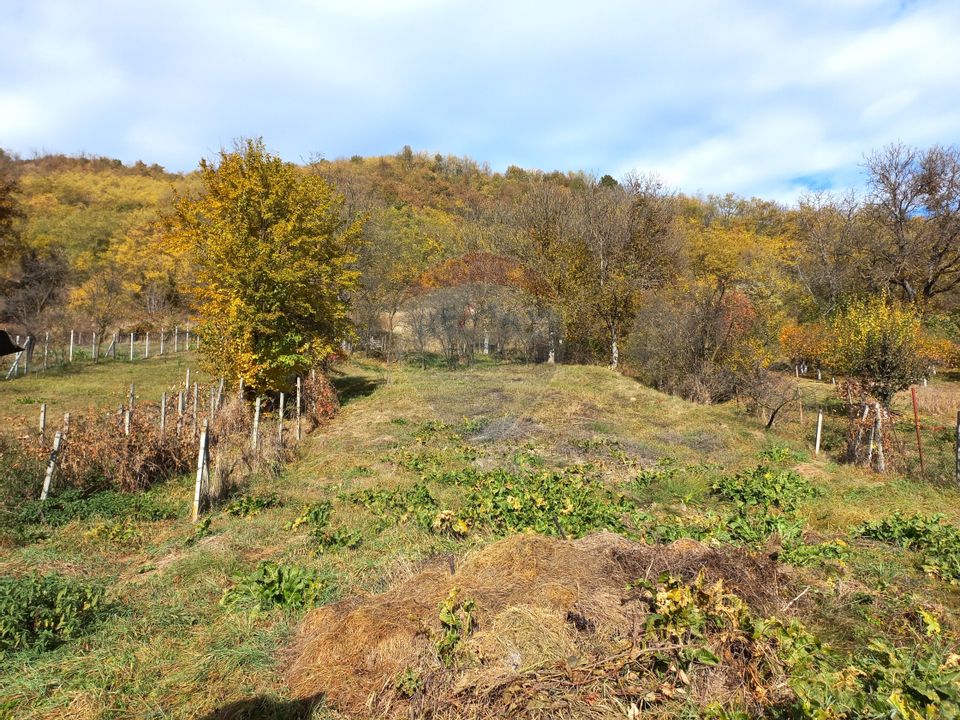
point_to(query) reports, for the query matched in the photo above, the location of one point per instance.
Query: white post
(280, 423)
(132, 396)
(71, 346)
(146, 350)
(819, 431)
(163, 412)
(126, 422)
(161, 341)
(299, 403)
(51, 466)
(186, 383)
(93, 346)
(176, 338)
(46, 348)
(255, 435)
(196, 406)
(131, 346)
(43, 421)
(202, 471)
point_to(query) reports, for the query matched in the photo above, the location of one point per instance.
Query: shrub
(271, 585)
(42, 611)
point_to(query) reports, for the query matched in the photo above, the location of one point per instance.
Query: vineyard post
(280, 422)
(46, 348)
(957, 451)
(27, 352)
(819, 430)
(51, 465)
(255, 434)
(113, 345)
(93, 346)
(202, 471)
(163, 412)
(299, 390)
(196, 408)
(176, 338)
(179, 412)
(240, 390)
(71, 346)
(187, 341)
(881, 464)
(43, 421)
(126, 422)
(186, 383)
(131, 346)
(146, 353)
(161, 340)
(916, 426)
(220, 387)
(132, 395)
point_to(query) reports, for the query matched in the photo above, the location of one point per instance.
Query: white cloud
(741, 96)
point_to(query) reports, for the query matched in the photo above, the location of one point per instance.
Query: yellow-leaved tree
(273, 264)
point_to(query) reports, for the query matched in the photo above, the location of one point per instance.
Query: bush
(766, 487)
(42, 611)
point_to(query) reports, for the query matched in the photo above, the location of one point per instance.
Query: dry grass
(540, 603)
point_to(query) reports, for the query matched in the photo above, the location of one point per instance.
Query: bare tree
(915, 201)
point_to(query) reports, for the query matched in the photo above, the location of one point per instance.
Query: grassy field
(167, 647)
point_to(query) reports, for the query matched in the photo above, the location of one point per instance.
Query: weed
(403, 504)
(766, 487)
(201, 531)
(456, 622)
(271, 585)
(42, 611)
(937, 541)
(248, 505)
(74, 504)
(409, 683)
(121, 532)
(316, 519)
(570, 502)
(780, 455)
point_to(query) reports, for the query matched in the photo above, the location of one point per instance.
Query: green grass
(170, 649)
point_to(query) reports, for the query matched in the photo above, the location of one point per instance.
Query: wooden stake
(131, 346)
(71, 346)
(146, 350)
(51, 466)
(203, 473)
(196, 406)
(163, 412)
(126, 422)
(255, 435)
(280, 423)
(299, 392)
(93, 346)
(161, 340)
(957, 451)
(43, 421)
(186, 384)
(132, 396)
(916, 426)
(819, 430)
(881, 463)
(176, 339)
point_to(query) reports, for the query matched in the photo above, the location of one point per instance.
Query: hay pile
(556, 633)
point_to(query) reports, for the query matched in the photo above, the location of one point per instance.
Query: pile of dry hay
(557, 633)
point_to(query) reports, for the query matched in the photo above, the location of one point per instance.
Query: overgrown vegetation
(39, 612)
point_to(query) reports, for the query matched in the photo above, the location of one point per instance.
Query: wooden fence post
(203, 473)
(131, 346)
(71, 346)
(113, 345)
(161, 341)
(957, 451)
(186, 383)
(132, 396)
(179, 412)
(819, 430)
(43, 421)
(280, 423)
(255, 434)
(916, 426)
(299, 426)
(176, 338)
(163, 412)
(881, 464)
(126, 422)
(51, 465)
(196, 406)
(46, 348)
(146, 350)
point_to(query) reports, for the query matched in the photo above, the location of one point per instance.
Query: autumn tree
(878, 341)
(273, 258)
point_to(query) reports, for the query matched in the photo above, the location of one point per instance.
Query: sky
(757, 97)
